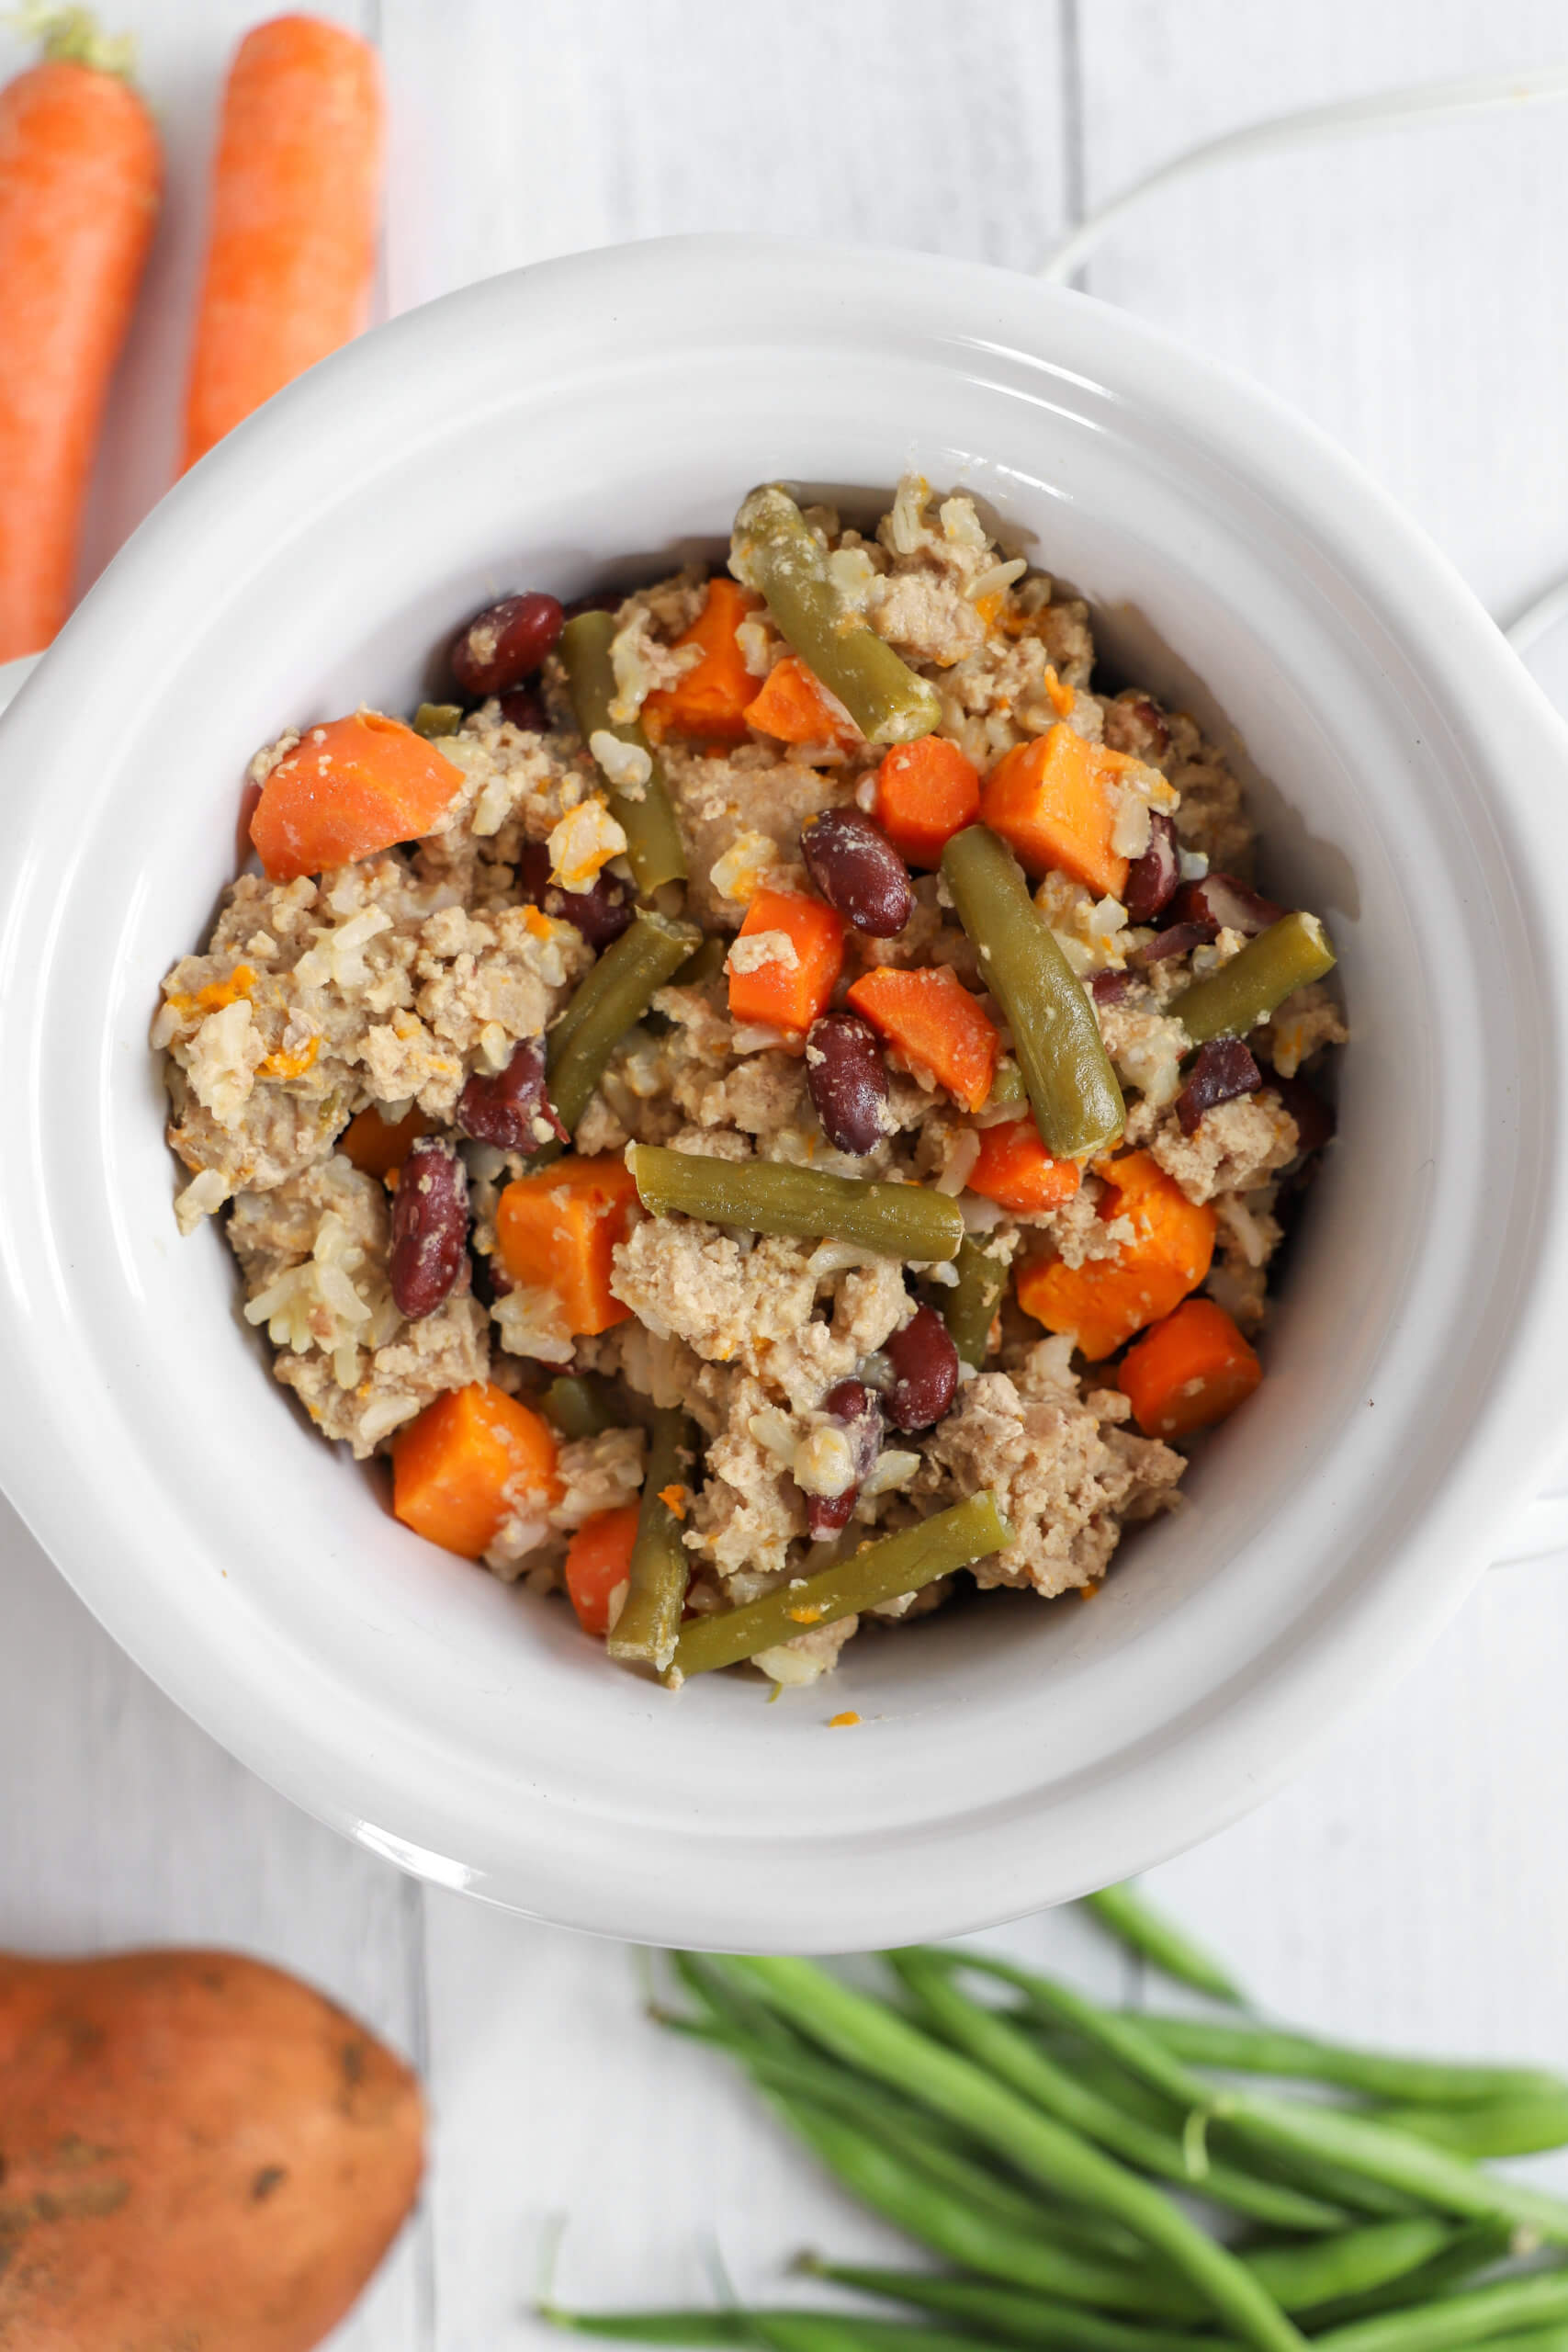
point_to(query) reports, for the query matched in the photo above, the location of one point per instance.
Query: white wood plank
(1405, 290)
(125, 1825)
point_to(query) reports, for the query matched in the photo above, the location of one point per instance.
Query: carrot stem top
(73, 35)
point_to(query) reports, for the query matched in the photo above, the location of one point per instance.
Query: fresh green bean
(1268, 2050)
(882, 2176)
(871, 2037)
(1255, 981)
(1459, 2321)
(740, 2019)
(775, 553)
(616, 991)
(437, 718)
(1516, 2127)
(995, 2043)
(647, 1629)
(898, 1564)
(1532, 2339)
(908, 1221)
(1072, 1087)
(1137, 1923)
(646, 816)
(969, 1306)
(1441, 2180)
(1008, 2311)
(697, 2329)
(1476, 2247)
(787, 2331)
(578, 1406)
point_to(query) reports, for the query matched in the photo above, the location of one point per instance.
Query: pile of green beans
(1035, 2142)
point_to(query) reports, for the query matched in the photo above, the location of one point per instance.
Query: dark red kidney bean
(601, 914)
(858, 871)
(852, 1402)
(1221, 1071)
(1227, 904)
(1180, 940)
(1314, 1118)
(505, 644)
(523, 707)
(503, 1109)
(1152, 879)
(430, 1227)
(925, 1372)
(1109, 987)
(848, 1079)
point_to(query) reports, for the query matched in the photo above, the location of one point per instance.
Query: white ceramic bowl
(595, 417)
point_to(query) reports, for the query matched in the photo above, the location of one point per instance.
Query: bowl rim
(1397, 570)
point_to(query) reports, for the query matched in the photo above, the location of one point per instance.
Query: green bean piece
(884, 1571)
(579, 1407)
(1010, 2312)
(437, 718)
(1516, 2127)
(735, 2017)
(1443, 2181)
(1460, 2321)
(773, 551)
(616, 993)
(697, 2329)
(969, 1307)
(908, 1221)
(786, 2331)
(1007, 1085)
(647, 817)
(647, 1629)
(1300, 2057)
(1134, 1921)
(706, 963)
(994, 2042)
(1474, 2247)
(1066, 1071)
(870, 2036)
(1255, 981)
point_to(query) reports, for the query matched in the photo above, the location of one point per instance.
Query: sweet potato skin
(196, 2149)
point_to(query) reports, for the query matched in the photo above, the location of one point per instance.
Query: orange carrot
(935, 1022)
(468, 1459)
(557, 1230)
(348, 790)
(80, 175)
(710, 701)
(1015, 1170)
(1188, 1372)
(1103, 1302)
(1055, 800)
(598, 1559)
(802, 945)
(926, 792)
(291, 243)
(795, 706)
(376, 1148)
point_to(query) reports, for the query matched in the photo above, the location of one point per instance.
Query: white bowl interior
(1008, 1754)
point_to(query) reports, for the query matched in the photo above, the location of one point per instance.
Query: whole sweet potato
(196, 2149)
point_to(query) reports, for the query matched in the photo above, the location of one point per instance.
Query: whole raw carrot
(295, 194)
(80, 174)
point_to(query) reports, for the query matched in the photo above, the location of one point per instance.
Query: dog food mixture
(784, 1089)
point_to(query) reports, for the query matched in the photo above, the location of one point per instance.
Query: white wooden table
(1407, 293)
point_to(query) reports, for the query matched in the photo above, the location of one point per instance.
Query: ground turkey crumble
(387, 985)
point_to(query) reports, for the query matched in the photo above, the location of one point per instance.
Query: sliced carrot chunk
(795, 706)
(926, 792)
(935, 1022)
(1102, 1303)
(1187, 1371)
(599, 1559)
(787, 975)
(557, 1230)
(1015, 1170)
(466, 1461)
(710, 701)
(349, 789)
(373, 1147)
(1055, 800)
